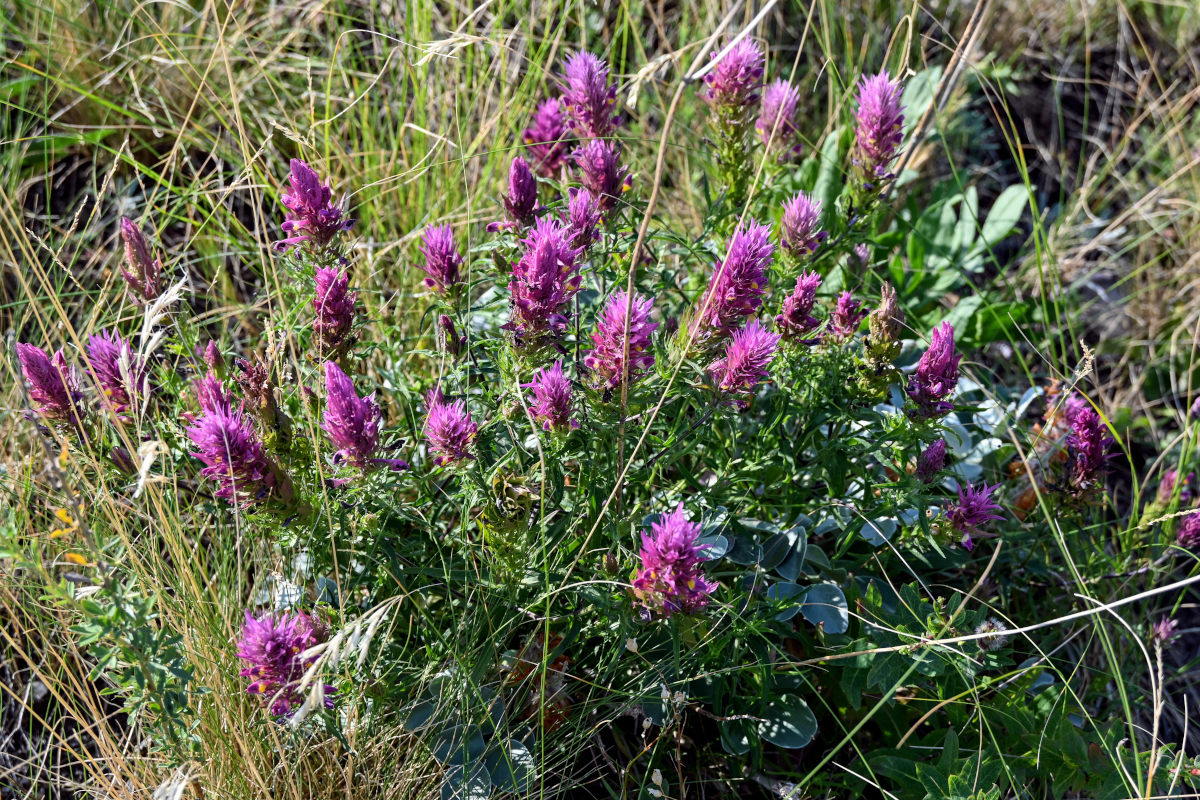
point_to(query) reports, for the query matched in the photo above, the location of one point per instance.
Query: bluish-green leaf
(788, 722)
(825, 605)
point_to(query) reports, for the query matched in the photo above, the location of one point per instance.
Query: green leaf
(825, 606)
(514, 771)
(1004, 215)
(788, 722)
(735, 736)
(781, 593)
(467, 783)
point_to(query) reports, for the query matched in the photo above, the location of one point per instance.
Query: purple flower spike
(931, 461)
(521, 202)
(334, 307)
(352, 422)
(777, 120)
(546, 138)
(670, 579)
(800, 230)
(449, 430)
(141, 272)
(601, 173)
(53, 384)
(1188, 535)
(747, 357)
(846, 317)
(936, 376)
(796, 319)
(734, 82)
(1163, 631)
(121, 376)
(1088, 448)
(589, 99)
(583, 218)
(442, 260)
(233, 456)
(550, 403)
(739, 283)
(606, 361)
(273, 647)
(212, 395)
(880, 126)
(311, 216)
(974, 509)
(543, 281)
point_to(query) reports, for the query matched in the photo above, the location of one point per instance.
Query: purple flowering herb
(748, 354)
(1188, 534)
(733, 83)
(550, 403)
(859, 258)
(1088, 448)
(847, 315)
(353, 422)
(800, 230)
(777, 123)
(449, 429)
(333, 305)
(211, 355)
(606, 361)
(879, 129)
(442, 259)
(601, 172)
(583, 218)
(1166, 487)
(545, 138)
(521, 201)
(122, 378)
(1163, 631)
(670, 579)
(273, 648)
(543, 281)
(936, 376)
(738, 285)
(211, 394)
(142, 272)
(975, 508)
(311, 217)
(233, 456)
(53, 384)
(795, 319)
(931, 461)
(1194, 412)
(589, 99)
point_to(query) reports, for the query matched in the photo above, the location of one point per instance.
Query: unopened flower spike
(442, 259)
(53, 384)
(521, 200)
(935, 378)
(142, 271)
(334, 307)
(353, 423)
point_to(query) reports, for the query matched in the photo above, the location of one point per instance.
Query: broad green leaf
(788, 722)
(825, 605)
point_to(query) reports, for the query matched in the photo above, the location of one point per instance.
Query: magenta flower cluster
(589, 98)
(449, 429)
(353, 422)
(601, 172)
(795, 320)
(333, 305)
(122, 377)
(442, 259)
(733, 83)
(670, 579)
(1088, 448)
(543, 280)
(936, 376)
(311, 217)
(748, 354)
(545, 138)
(1188, 533)
(880, 124)
(974, 509)
(273, 647)
(777, 123)
(800, 230)
(738, 285)
(232, 453)
(53, 384)
(606, 361)
(847, 316)
(550, 403)
(931, 461)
